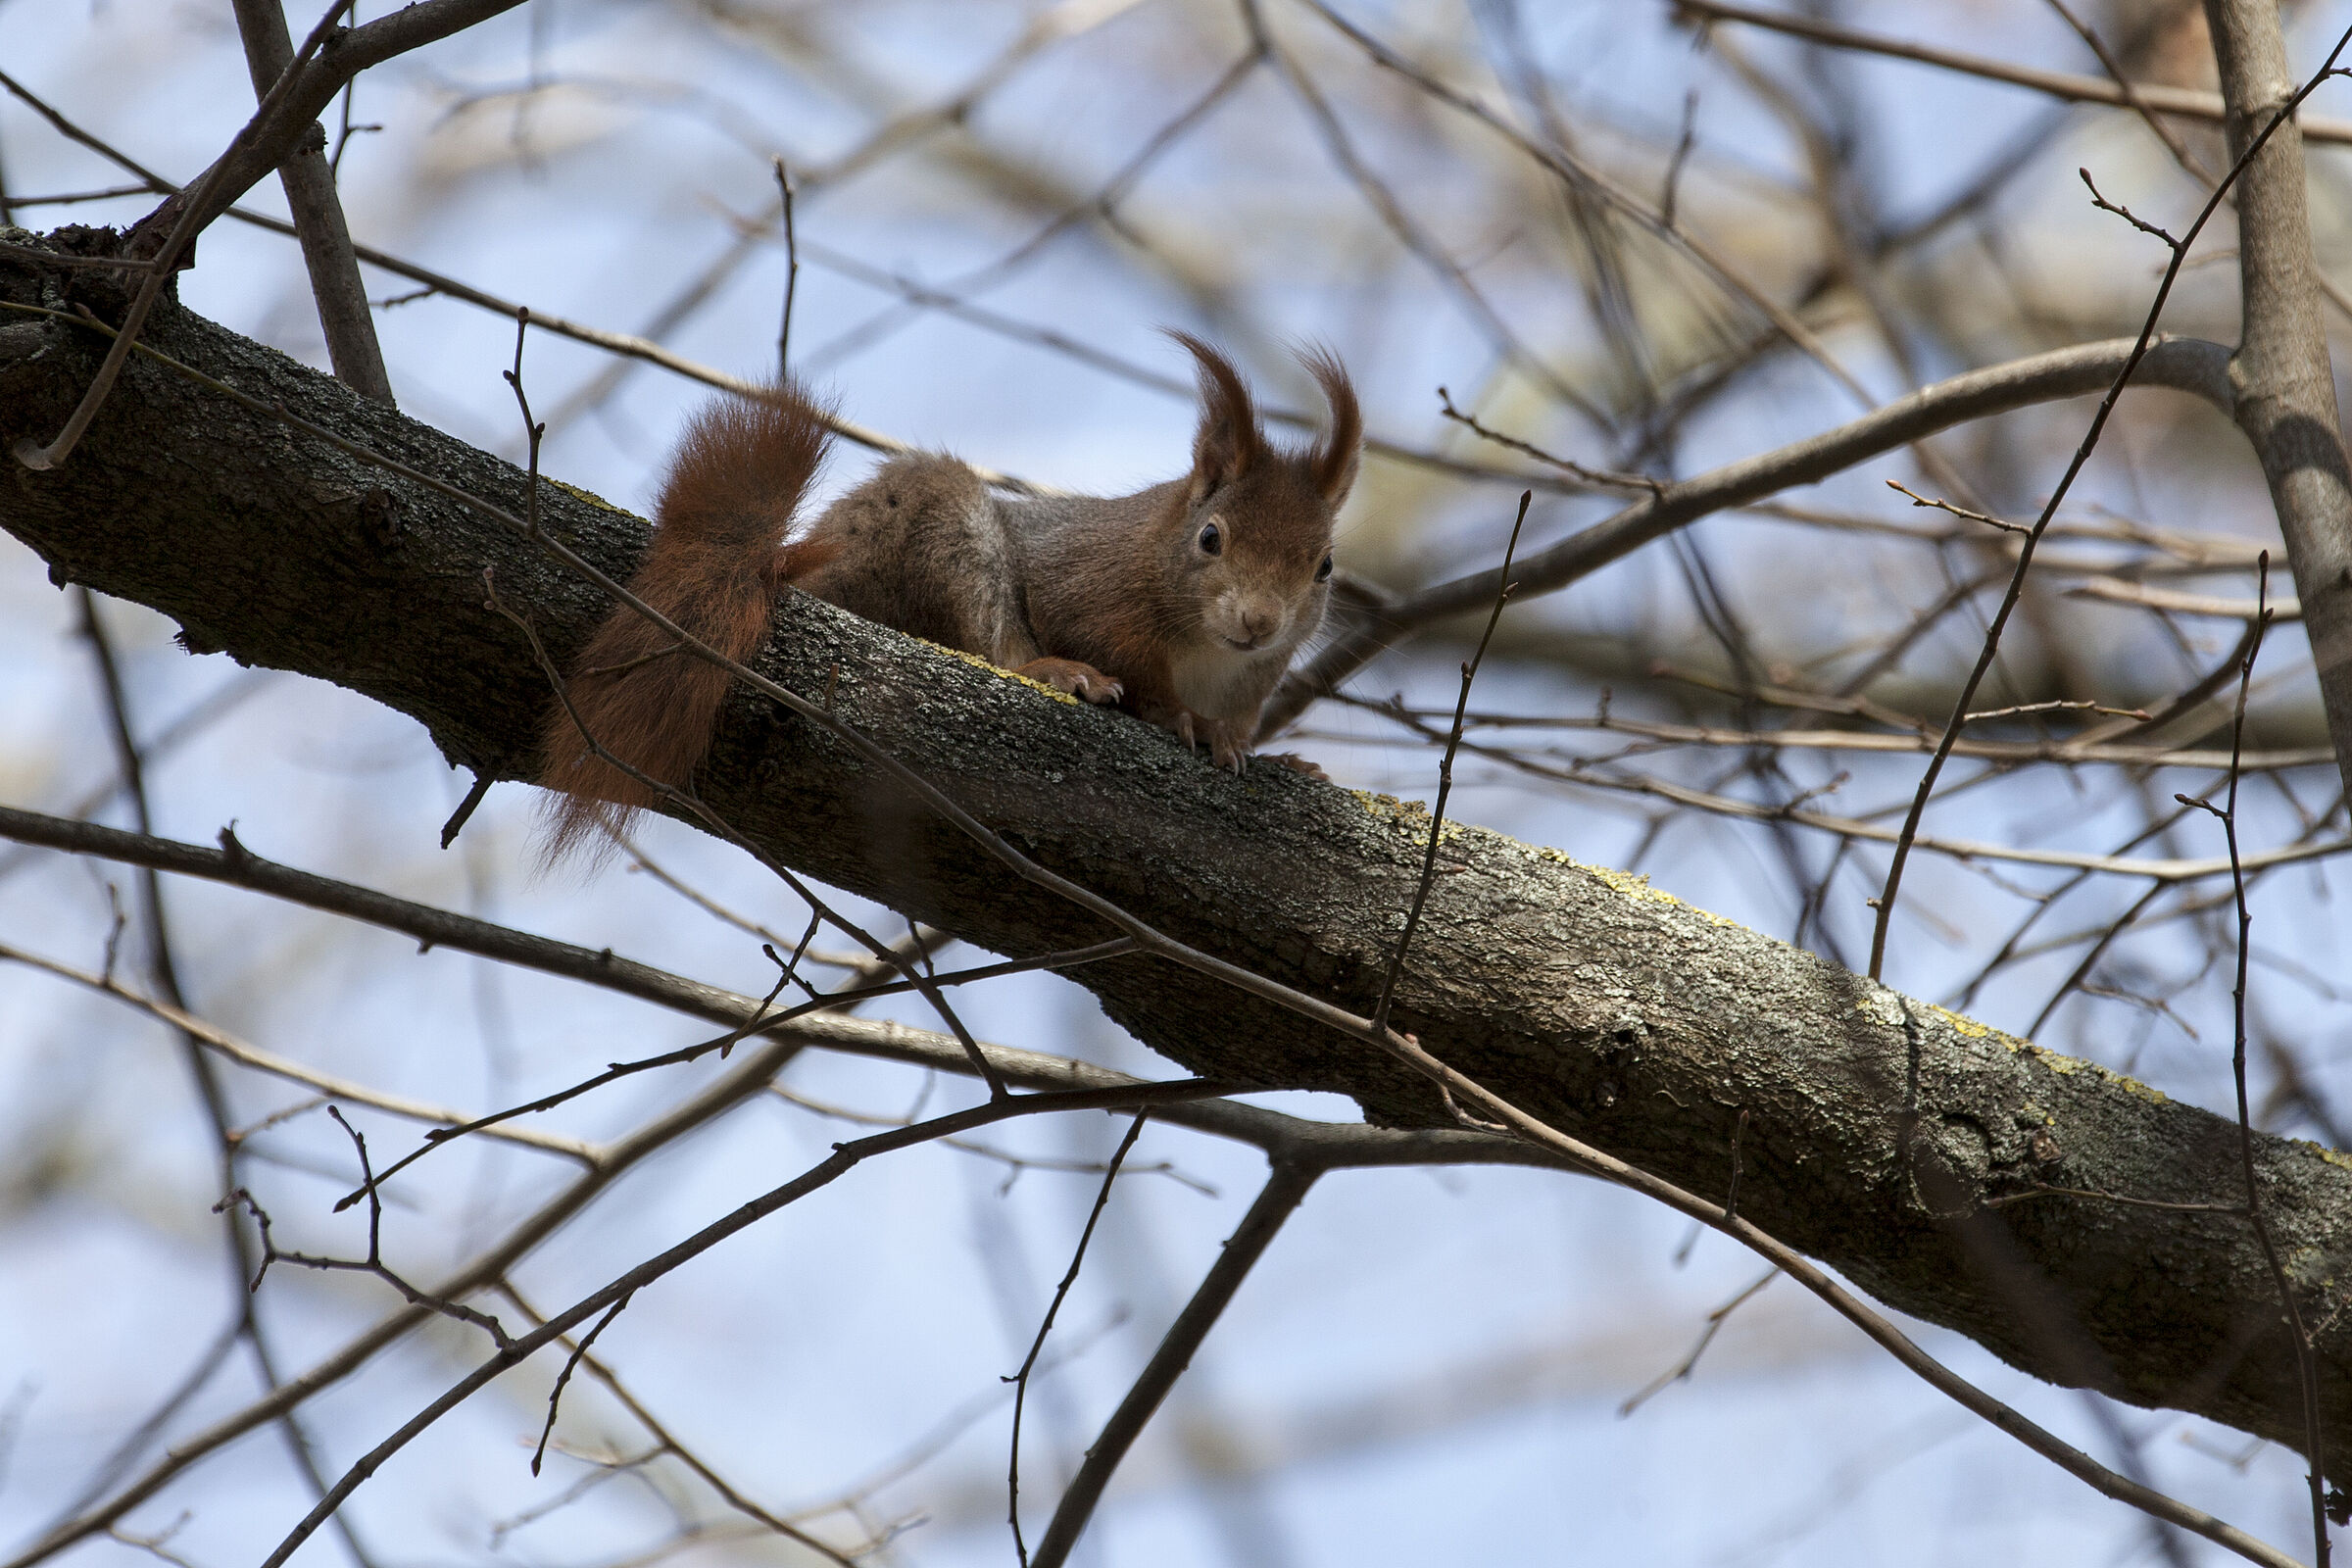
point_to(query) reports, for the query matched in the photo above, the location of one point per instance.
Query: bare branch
(845, 1158)
(310, 181)
(301, 95)
(1285, 1190)
(2186, 364)
(2190, 102)
(2286, 386)
(2279, 117)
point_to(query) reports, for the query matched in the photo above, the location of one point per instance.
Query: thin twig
(1682, 144)
(1286, 1188)
(1020, 1380)
(764, 1018)
(2194, 102)
(1918, 500)
(240, 1198)
(1680, 1371)
(671, 1446)
(533, 430)
(792, 272)
(843, 1158)
(554, 1396)
(1567, 465)
(466, 807)
(2017, 583)
(1574, 771)
(223, 1043)
(440, 1137)
(211, 1097)
(2306, 1361)
(1731, 1198)
(2153, 230)
(1453, 742)
(2133, 95)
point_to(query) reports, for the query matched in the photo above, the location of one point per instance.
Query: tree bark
(1878, 1126)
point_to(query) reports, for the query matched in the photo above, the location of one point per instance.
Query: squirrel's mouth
(1246, 645)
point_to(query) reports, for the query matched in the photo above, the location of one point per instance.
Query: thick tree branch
(2285, 385)
(1632, 1021)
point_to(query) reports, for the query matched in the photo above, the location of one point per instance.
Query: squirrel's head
(1252, 551)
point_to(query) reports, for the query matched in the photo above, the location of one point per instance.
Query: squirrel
(1183, 602)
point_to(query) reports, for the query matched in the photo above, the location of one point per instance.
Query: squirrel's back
(922, 545)
(638, 709)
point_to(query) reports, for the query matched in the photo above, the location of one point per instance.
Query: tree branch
(2184, 364)
(2192, 102)
(275, 135)
(2285, 385)
(1641, 1026)
(1286, 1188)
(344, 315)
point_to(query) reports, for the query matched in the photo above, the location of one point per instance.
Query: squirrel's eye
(1323, 572)
(1212, 541)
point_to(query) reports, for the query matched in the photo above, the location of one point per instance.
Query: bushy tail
(714, 568)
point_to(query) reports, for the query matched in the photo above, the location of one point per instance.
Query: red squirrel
(1184, 602)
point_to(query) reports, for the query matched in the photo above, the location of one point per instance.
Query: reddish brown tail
(636, 698)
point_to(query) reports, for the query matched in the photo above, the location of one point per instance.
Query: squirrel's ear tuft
(1333, 460)
(1230, 442)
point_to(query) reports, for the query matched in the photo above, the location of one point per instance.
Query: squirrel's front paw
(1229, 743)
(1080, 680)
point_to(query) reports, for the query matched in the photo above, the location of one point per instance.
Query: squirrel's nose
(1261, 619)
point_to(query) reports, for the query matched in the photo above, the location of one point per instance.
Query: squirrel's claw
(1075, 678)
(1228, 745)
